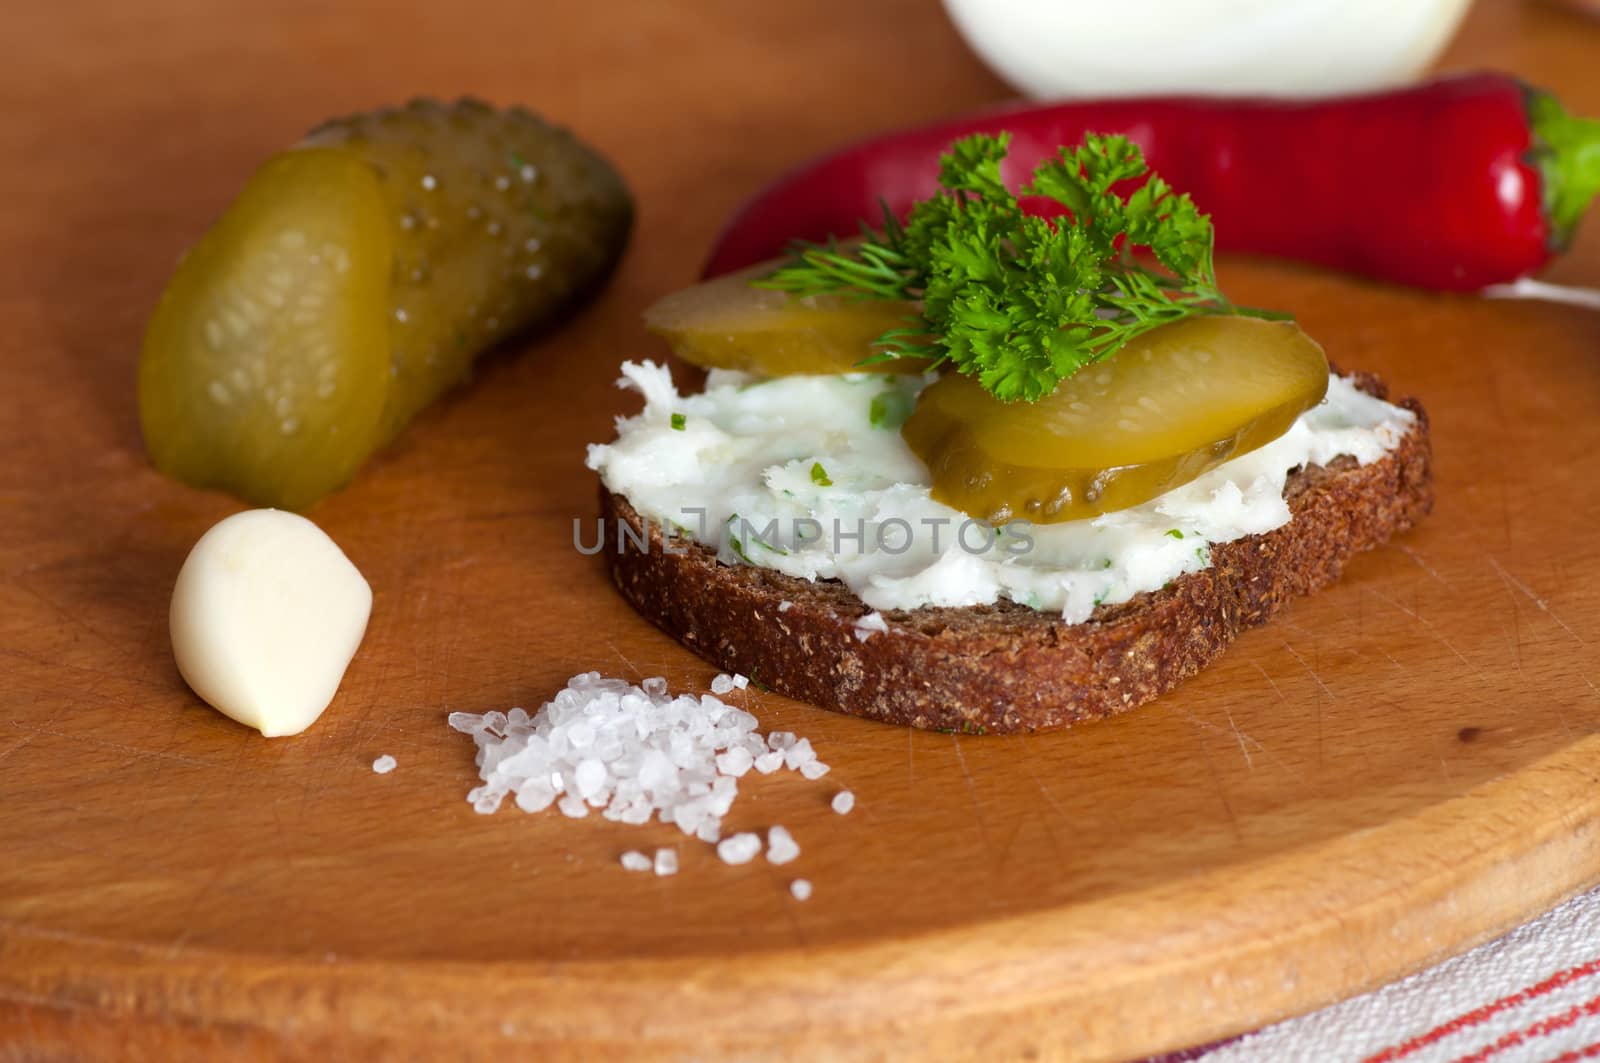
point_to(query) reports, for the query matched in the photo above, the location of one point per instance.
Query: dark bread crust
(1006, 667)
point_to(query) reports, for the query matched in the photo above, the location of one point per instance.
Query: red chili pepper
(1456, 183)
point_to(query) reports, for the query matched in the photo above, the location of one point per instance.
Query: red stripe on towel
(1479, 1015)
(1586, 1052)
(1541, 1028)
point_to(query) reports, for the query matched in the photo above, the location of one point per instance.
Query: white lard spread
(792, 474)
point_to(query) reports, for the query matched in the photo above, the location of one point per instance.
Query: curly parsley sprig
(1018, 301)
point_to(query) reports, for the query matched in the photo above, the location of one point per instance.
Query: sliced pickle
(1169, 406)
(266, 364)
(728, 324)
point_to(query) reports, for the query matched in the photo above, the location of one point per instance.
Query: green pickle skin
(354, 281)
(1171, 405)
(726, 323)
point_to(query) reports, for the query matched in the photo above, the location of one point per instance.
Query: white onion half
(1066, 48)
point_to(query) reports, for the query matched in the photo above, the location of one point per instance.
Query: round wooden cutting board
(1397, 768)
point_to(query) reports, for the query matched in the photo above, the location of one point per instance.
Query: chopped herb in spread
(678, 422)
(734, 542)
(819, 475)
(889, 410)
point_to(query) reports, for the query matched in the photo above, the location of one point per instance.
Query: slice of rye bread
(1005, 667)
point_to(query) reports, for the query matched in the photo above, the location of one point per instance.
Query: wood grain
(1393, 770)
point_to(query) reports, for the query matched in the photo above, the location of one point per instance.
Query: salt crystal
(384, 764)
(656, 770)
(535, 798)
(633, 860)
(800, 889)
(869, 625)
(843, 801)
(814, 769)
(637, 813)
(590, 777)
(721, 798)
(735, 761)
(686, 816)
(635, 754)
(798, 755)
(781, 846)
(739, 848)
(785, 605)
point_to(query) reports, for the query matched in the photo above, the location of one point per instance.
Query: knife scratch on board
(1270, 682)
(1543, 606)
(1417, 559)
(977, 806)
(1426, 626)
(179, 942)
(1199, 727)
(1055, 806)
(616, 651)
(1312, 672)
(125, 677)
(9, 750)
(78, 621)
(1242, 738)
(137, 752)
(1317, 679)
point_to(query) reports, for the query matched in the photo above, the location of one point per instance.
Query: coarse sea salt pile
(636, 753)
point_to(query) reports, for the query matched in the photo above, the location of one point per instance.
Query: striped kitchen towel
(1532, 996)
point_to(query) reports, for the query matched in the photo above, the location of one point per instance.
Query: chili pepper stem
(1567, 153)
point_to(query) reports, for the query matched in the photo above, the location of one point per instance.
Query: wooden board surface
(1394, 770)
